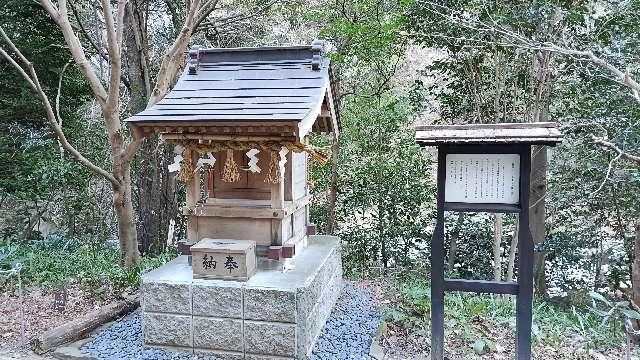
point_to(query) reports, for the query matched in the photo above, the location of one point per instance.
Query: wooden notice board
(483, 178)
(485, 168)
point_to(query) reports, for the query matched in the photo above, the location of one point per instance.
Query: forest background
(397, 64)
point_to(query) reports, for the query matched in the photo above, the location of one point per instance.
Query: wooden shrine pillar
(192, 198)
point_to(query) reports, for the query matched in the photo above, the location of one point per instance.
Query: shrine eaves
(275, 93)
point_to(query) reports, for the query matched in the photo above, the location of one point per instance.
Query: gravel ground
(346, 335)
(350, 327)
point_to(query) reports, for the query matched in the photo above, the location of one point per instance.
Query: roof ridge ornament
(317, 48)
(194, 59)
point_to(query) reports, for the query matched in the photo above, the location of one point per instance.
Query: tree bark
(155, 186)
(81, 327)
(537, 214)
(512, 252)
(453, 242)
(497, 241)
(538, 192)
(333, 187)
(635, 269)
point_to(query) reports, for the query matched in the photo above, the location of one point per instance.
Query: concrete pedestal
(275, 315)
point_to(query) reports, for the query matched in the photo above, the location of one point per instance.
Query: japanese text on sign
(483, 178)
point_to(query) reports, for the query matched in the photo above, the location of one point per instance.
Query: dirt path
(40, 314)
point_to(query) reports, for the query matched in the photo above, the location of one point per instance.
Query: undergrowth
(473, 318)
(56, 261)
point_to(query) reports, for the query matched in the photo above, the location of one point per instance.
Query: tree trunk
(537, 214)
(333, 187)
(635, 270)
(542, 90)
(512, 252)
(497, 241)
(453, 242)
(125, 216)
(80, 327)
(155, 197)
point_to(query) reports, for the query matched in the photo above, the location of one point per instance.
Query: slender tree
(107, 95)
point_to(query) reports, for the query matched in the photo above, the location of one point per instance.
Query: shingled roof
(543, 133)
(266, 84)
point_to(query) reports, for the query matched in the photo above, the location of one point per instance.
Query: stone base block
(274, 315)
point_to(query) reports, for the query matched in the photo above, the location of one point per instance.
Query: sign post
(485, 168)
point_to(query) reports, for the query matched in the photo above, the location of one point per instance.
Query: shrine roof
(264, 84)
(542, 133)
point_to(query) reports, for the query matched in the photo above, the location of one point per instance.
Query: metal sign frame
(523, 288)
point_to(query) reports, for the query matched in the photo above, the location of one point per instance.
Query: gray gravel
(350, 327)
(346, 335)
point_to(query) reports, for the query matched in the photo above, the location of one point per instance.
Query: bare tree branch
(100, 51)
(172, 59)
(59, 16)
(520, 41)
(606, 177)
(611, 146)
(59, 118)
(32, 80)
(219, 23)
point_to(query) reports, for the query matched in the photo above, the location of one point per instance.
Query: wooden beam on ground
(81, 327)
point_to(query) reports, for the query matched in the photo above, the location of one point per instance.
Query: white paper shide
(482, 178)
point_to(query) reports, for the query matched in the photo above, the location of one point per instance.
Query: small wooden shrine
(485, 168)
(241, 119)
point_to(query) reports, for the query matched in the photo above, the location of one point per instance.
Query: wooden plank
(266, 127)
(244, 93)
(549, 141)
(265, 68)
(487, 133)
(239, 117)
(249, 84)
(233, 106)
(275, 61)
(487, 126)
(491, 208)
(524, 301)
(437, 264)
(239, 211)
(168, 136)
(206, 74)
(240, 100)
(288, 177)
(481, 286)
(215, 112)
(277, 202)
(193, 185)
(256, 62)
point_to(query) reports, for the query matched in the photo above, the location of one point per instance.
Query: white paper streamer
(176, 159)
(253, 160)
(283, 159)
(176, 163)
(209, 160)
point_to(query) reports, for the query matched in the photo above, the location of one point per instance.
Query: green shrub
(57, 261)
(553, 324)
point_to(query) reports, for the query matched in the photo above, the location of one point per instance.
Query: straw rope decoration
(231, 171)
(273, 175)
(186, 168)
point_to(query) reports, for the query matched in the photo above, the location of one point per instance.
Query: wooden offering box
(224, 259)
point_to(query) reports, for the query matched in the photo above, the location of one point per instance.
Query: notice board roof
(543, 133)
(259, 85)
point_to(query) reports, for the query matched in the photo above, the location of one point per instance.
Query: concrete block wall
(274, 317)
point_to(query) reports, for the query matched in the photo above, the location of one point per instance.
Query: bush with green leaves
(553, 323)
(56, 261)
